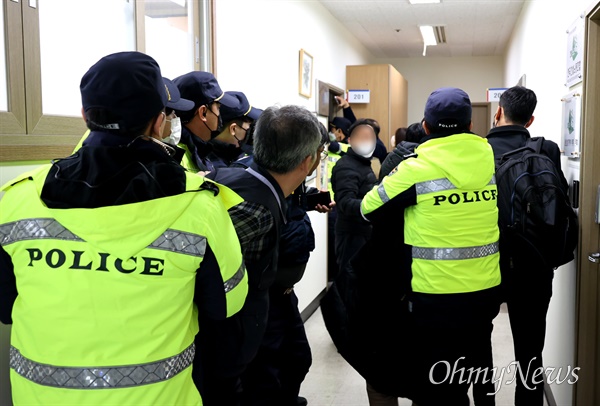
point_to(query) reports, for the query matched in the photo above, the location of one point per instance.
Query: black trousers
(347, 246)
(528, 290)
(332, 266)
(225, 348)
(453, 334)
(274, 377)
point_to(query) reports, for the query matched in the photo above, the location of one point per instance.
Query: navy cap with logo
(174, 99)
(128, 85)
(200, 87)
(448, 108)
(236, 105)
(341, 123)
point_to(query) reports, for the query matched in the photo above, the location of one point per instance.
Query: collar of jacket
(359, 158)
(509, 130)
(106, 139)
(273, 182)
(225, 150)
(195, 144)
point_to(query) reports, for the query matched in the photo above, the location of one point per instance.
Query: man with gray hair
(286, 141)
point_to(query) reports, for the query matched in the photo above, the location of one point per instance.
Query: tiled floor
(331, 381)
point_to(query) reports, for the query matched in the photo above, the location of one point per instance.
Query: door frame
(488, 106)
(587, 390)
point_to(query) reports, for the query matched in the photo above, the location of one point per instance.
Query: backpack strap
(535, 144)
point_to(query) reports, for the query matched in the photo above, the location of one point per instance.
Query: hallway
(332, 382)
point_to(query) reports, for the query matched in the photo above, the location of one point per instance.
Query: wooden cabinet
(388, 97)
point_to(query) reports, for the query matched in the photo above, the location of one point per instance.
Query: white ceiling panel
(473, 27)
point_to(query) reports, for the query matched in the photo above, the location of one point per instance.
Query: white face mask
(364, 149)
(175, 136)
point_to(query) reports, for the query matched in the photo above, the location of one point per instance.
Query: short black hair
(324, 135)
(363, 121)
(414, 133)
(518, 104)
(97, 118)
(373, 123)
(400, 135)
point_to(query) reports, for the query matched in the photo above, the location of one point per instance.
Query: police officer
(204, 121)
(285, 150)
(108, 256)
(449, 195)
(227, 146)
(172, 130)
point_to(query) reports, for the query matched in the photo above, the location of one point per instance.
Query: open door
(587, 390)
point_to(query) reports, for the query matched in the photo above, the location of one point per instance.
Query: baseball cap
(129, 85)
(341, 123)
(174, 100)
(236, 105)
(200, 87)
(449, 108)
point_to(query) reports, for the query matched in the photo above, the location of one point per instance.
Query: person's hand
(342, 102)
(325, 209)
(203, 173)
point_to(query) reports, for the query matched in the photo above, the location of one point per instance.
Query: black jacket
(199, 150)
(223, 154)
(352, 177)
(394, 158)
(510, 137)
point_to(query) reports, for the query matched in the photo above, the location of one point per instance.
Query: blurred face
(362, 134)
(363, 140)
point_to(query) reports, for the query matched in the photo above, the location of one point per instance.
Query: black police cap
(129, 85)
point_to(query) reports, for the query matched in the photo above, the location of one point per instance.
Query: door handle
(594, 257)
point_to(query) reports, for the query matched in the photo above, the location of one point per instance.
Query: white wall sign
(359, 96)
(494, 93)
(571, 126)
(575, 53)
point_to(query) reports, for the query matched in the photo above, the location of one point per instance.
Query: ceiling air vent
(440, 34)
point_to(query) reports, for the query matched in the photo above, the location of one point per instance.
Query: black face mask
(215, 133)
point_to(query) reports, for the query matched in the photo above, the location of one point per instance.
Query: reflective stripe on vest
(439, 185)
(171, 240)
(429, 186)
(48, 228)
(455, 253)
(101, 377)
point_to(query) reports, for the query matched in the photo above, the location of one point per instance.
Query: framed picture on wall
(305, 74)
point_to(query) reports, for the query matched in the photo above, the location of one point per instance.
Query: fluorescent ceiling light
(428, 35)
(423, 1)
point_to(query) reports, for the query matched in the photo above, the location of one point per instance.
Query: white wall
(424, 75)
(261, 59)
(538, 49)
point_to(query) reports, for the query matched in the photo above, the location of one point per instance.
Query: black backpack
(536, 219)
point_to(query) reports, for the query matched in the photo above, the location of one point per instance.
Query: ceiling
(473, 28)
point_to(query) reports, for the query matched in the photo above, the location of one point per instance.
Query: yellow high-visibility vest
(332, 158)
(105, 313)
(453, 228)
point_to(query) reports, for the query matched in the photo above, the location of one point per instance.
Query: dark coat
(352, 177)
(394, 158)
